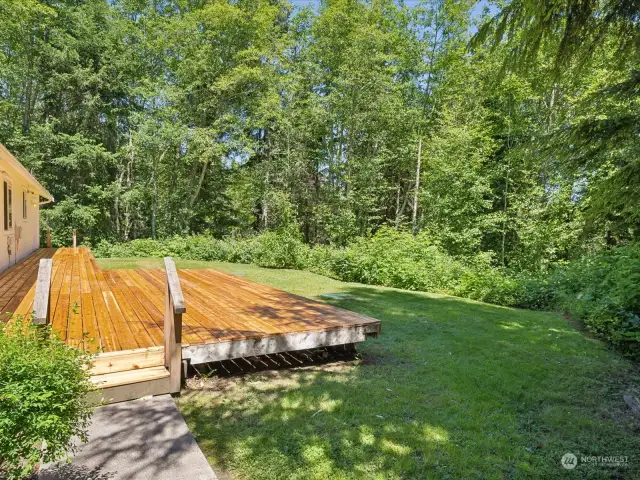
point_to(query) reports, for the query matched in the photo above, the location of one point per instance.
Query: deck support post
(48, 238)
(173, 309)
(41, 298)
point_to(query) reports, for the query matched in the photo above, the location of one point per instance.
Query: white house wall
(29, 236)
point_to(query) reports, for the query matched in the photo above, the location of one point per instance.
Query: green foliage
(146, 120)
(586, 52)
(538, 291)
(489, 284)
(398, 259)
(43, 393)
(281, 249)
(68, 215)
(236, 117)
(390, 258)
(294, 135)
(602, 290)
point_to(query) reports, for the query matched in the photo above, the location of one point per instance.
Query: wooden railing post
(173, 309)
(41, 298)
(74, 238)
(48, 239)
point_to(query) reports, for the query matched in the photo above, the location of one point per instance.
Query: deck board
(152, 330)
(16, 281)
(89, 319)
(113, 310)
(107, 337)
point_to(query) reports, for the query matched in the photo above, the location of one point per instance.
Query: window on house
(8, 205)
(24, 205)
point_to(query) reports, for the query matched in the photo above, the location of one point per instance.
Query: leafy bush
(390, 258)
(489, 284)
(65, 216)
(324, 260)
(604, 291)
(538, 290)
(398, 259)
(43, 390)
(281, 249)
(198, 247)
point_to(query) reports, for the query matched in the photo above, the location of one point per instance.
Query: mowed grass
(452, 389)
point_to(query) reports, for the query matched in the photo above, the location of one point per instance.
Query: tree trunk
(154, 205)
(416, 193)
(194, 197)
(398, 206)
(432, 58)
(265, 203)
(116, 203)
(127, 205)
(26, 114)
(504, 220)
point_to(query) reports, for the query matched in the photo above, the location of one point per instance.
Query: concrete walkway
(140, 440)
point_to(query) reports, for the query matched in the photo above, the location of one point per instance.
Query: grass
(452, 389)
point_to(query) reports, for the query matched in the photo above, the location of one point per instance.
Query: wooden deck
(17, 281)
(226, 316)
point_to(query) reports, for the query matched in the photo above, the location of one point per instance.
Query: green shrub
(538, 290)
(324, 260)
(491, 285)
(389, 258)
(604, 291)
(281, 249)
(274, 249)
(43, 390)
(398, 259)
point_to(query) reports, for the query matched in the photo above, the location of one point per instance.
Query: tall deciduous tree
(150, 119)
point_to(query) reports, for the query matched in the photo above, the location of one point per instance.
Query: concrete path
(139, 440)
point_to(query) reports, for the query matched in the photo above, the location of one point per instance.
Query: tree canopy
(513, 131)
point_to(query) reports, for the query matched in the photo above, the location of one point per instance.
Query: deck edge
(286, 342)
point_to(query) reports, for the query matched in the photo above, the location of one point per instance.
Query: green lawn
(452, 389)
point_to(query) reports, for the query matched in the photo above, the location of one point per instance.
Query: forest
(484, 149)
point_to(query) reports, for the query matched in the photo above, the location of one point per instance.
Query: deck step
(130, 385)
(125, 360)
(129, 377)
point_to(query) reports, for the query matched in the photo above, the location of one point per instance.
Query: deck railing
(174, 307)
(41, 298)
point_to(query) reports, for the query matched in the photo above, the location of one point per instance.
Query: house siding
(24, 236)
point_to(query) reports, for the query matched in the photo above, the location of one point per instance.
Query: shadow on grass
(312, 423)
(452, 388)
